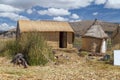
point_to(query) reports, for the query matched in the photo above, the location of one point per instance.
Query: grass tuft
(33, 46)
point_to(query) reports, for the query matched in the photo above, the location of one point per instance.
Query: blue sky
(61, 10)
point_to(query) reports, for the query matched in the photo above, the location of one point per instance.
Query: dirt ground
(69, 67)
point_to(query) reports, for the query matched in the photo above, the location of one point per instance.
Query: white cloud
(95, 13)
(54, 12)
(115, 4)
(29, 11)
(12, 16)
(66, 4)
(5, 26)
(78, 20)
(8, 8)
(75, 16)
(100, 2)
(59, 18)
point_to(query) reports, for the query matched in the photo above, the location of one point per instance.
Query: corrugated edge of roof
(71, 30)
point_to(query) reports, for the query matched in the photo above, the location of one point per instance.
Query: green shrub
(34, 48)
(12, 47)
(9, 47)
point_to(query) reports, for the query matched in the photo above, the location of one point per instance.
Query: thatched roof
(96, 31)
(44, 26)
(81, 27)
(116, 32)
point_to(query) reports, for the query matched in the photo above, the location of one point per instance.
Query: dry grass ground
(74, 68)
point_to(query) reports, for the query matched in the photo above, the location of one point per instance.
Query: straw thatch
(94, 35)
(96, 31)
(44, 26)
(58, 34)
(116, 38)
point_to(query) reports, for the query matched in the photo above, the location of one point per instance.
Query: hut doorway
(63, 40)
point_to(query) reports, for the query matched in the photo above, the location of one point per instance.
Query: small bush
(38, 52)
(12, 48)
(34, 48)
(8, 47)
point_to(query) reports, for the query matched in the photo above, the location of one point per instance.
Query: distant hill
(1, 31)
(82, 26)
(8, 34)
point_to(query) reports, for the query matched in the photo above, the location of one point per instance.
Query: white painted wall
(117, 57)
(104, 46)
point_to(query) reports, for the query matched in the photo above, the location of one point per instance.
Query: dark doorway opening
(63, 40)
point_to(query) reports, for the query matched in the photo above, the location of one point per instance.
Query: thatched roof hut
(58, 34)
(81, 26)
(116, 38)
(94, 38)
